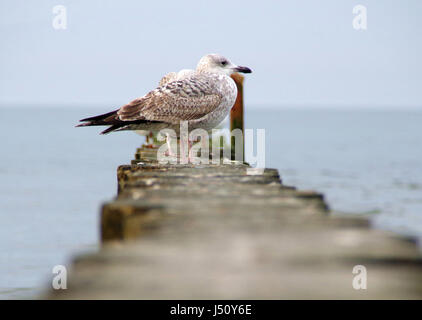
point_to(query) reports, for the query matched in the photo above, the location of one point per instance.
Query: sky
(303, 53)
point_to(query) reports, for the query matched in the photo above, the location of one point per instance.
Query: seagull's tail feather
(108, 118)
(111, 128)
(112, 120)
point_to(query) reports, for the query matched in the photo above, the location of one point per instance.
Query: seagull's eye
(223, 63)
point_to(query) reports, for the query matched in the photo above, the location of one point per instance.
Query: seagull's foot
(170, 153)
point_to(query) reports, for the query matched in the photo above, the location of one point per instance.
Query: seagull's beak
(242, 69)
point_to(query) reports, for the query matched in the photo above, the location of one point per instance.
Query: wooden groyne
(217, 232)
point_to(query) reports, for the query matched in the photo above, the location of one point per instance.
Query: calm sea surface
(54, 177)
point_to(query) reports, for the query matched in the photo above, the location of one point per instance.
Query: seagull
(202, 97)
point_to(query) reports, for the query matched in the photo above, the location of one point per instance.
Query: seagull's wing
(188, 99)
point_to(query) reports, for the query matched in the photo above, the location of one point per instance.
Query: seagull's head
(216, 63)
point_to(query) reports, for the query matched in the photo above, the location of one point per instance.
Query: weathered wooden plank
(215, 232)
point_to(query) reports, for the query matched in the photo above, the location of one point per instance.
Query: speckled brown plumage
(181, 100)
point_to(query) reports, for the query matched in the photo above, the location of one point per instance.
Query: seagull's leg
(182, 152)
(148, 142)
(189, 150)
(150, 139)
(190, 155)
(169, 152)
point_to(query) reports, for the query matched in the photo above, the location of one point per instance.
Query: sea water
(54, 177)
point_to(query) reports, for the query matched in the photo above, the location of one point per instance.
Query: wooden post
(236, 113)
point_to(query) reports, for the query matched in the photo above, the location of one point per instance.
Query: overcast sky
(301, 52)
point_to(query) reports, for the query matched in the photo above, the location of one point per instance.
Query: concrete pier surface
(225, 232)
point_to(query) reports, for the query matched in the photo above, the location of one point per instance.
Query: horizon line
(267, 106)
